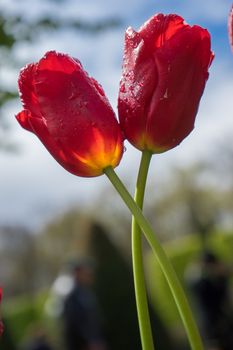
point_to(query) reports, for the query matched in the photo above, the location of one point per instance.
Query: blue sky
(32, 186)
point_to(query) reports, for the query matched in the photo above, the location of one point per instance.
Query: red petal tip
(23, 119)
(230, 27)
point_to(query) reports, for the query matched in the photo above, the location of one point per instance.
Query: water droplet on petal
(122, 88)
(72, 96)
(131, 88)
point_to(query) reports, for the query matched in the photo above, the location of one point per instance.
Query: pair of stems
(140, 223)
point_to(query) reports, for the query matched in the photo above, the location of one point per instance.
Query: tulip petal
(178, 86)
(139, 71)
(160, 28)
(73, 105)
(230, 27)
(23, 118)
(38, 127)
(1, 323)
(70, 114)
(27, 89)
(165, 68)
(57, 149)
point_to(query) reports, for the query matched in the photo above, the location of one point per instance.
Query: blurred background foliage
(191, 210)
(189, 218)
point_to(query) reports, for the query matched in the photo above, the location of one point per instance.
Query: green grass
(21, 313)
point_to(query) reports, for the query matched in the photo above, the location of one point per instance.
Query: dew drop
(122, 88)
(131, 88)
(72, 96)
(166, 94)
(129, 74)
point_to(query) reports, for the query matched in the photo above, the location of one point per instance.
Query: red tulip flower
(165, 68)
(69, 112)
(230, 27)
(1, 324)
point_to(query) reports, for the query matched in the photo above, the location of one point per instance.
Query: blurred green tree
(17, 248)
(115, 291)
(188, 204)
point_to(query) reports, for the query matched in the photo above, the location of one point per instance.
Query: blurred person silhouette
(38, 341)
(210, 288)
(83, 321)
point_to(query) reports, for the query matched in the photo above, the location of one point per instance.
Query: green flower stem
(138, 271)
(169, 273)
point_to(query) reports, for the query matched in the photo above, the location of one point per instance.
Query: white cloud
(208, 10)
(211, 10)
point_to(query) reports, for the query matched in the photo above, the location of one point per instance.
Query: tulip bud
(70, 114)
(230, 27)
(1, 324)
(165, 68)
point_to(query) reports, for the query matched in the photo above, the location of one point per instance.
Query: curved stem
(169, 273)
(137, 255)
